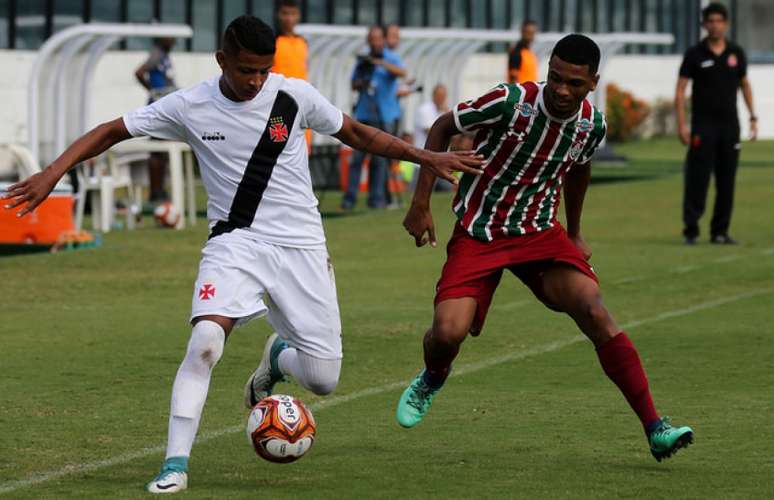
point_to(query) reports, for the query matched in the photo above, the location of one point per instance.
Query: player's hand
(32, 191)
(753, 130)
(419, 224)
(444, 165)
(685, 135)
(581, 244)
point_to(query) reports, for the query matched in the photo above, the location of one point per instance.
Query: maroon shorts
(473, 267)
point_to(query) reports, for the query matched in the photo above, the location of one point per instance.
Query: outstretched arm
(575, 184)
(36, 188)
(419, 218)
(372, 140)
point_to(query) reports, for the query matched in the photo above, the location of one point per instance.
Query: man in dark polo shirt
(718, 68)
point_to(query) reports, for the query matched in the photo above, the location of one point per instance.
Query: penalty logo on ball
(281, 429)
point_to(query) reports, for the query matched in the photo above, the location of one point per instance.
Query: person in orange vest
(290, 59)
(522, 62)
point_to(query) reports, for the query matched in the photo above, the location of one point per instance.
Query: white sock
(191, 385)
(317, 375)
(182, 432)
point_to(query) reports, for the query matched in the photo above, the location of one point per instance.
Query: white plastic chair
(17, 162)
(100, 178)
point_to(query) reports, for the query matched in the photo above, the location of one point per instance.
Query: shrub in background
(625, 113)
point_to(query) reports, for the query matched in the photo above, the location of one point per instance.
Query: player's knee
(449, 330)
(321, 376)
(206, 344)
(595, 312)
(322, 386)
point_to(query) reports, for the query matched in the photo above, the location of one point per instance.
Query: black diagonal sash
(260, 167)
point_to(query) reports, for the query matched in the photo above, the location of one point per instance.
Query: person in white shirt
(426, 115)
(246, 127)
(429, 112)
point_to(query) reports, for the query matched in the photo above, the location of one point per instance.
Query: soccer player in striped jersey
(246, 127)
(536, 138)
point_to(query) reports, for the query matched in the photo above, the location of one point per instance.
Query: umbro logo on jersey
(584, 125)
(525, 109)
(278, 131)
(213, 136)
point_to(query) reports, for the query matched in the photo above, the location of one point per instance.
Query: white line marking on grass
(625, 281)
(512, 305)
(685, 269)
(768, 251)
(727, 258)
(460, 370)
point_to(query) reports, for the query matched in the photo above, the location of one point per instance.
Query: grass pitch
(90, 342)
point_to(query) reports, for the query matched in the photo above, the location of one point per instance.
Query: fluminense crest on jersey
(576, 150)
(278, 131)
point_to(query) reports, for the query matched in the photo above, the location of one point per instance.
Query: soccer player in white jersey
(246, 127)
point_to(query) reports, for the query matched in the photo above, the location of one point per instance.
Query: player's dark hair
(249, 33)
(714, 8)
(528, 22)
(578, 49)
(288, 3)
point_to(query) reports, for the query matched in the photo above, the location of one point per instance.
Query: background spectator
(290, 60)
(522, 62)
(375, 78)
(157, 76)
(428, 112)
(717, 67)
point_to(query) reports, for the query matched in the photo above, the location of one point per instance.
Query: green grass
(90, 341)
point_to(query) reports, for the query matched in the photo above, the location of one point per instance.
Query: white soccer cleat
(168, 482)
(261, 382)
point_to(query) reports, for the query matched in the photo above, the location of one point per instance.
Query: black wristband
(753, 118)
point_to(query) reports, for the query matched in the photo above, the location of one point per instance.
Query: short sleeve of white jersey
(317, 112)
(163, 119)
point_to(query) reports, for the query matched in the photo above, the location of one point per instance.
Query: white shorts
(244, 278)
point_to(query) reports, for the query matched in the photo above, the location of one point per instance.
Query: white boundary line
(556, 345)
(693, 267)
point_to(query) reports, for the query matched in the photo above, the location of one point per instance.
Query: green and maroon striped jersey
(527, 152)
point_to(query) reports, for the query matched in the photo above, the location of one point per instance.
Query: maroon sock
(621, 363)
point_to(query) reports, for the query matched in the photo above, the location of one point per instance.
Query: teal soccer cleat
(173, 477)
(262, 380)
(415, 401)
(665, 440)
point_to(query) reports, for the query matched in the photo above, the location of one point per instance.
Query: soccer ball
(281, 429)
(166, 214)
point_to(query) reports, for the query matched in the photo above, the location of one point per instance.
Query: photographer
(375, 78)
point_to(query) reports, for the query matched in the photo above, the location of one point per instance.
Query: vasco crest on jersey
(278, 131)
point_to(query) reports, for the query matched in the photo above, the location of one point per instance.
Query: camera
(364, 69)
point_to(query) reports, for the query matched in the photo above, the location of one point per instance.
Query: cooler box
(44, 226)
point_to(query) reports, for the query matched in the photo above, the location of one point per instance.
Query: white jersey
(252, 155)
